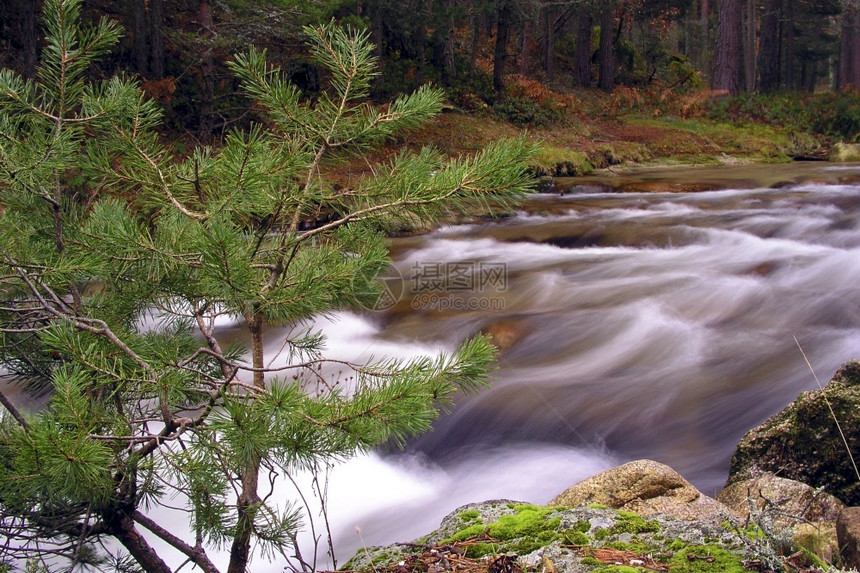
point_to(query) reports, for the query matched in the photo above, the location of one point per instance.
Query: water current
(633, 325)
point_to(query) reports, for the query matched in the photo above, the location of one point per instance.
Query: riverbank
(593, 132)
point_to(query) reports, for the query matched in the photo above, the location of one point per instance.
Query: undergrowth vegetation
(832, 114)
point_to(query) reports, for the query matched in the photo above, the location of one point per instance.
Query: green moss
(582, 526)
(561, 162)
(576, 538)
(618, 569)
(469, 532)
(590, 561)
(633, 523)
(524, 531)
(688, 560)
(528, 521)
(479, 550)
(470, 516)
(602, 534)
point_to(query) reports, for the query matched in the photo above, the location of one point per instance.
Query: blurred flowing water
(634, 325)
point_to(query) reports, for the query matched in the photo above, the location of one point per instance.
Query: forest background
(599, 82)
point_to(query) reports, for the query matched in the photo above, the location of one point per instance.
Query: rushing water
(642, 325)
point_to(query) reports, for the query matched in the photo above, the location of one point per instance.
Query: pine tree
(118, 258)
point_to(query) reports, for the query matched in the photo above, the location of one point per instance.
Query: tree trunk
(525, 45)
(855, 46)
(788, 35)
(207, 77)
(770, 50)
(376, 28)
(582, 65)
(476, 40)
(750, 47)
(607, 48)
(504, 15)
(249, 498)
(156, 33)
(727, 68)
(549, 43)
(844, 75)
(704, 39)
(140, 46)
(28, 37)
(419, 34)
(449, 68)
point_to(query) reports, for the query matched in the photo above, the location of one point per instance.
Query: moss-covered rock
(845, 153)
(804, 442)
(573, 540)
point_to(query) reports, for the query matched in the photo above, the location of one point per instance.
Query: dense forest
(472, 48)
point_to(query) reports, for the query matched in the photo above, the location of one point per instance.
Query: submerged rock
(647, 488)
(804, 441)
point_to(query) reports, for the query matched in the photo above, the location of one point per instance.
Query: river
(633, 325)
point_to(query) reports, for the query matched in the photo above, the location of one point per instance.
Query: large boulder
(647, 488)
(804, 441)
(848, 534)
(806, 515)
(788, 502)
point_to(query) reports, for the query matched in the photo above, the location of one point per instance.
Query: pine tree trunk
(207, 77)
(240, 550)
(156, 32)
(769, 51)
(607, 48)
(140, 46)
(504, 15)
(582, 66)
(727, 68)
(750, 47)
(449, 64)
(549, 43)
(475, 21)
(703, 40)
(788, 35)
(525, 45)
(844, 76)
(419, 32)
(855, 46)
(28, 33)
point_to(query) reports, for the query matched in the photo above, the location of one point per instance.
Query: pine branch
(197, 554)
